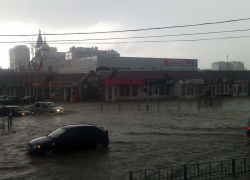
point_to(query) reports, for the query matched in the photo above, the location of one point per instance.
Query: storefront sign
(194, 81)
(170, 81)
(124, 82)
(66, 84)
(34, 84)
(55, 84)
(180, 62)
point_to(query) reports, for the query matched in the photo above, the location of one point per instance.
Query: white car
(45, 107)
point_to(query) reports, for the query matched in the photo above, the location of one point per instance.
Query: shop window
(245, 90)
(201, 86)
(122, 90)
(57, 93)
(161, 90)
(190, 90)
(150, 91)
(226, 89)
(127, 91)
(134, 90)
(183, 90)
(218, 89)
(239, 89)
(167, 90)
(196, 90)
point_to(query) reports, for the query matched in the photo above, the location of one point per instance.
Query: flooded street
(139, 139)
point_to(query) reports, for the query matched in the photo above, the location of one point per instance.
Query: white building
(127, 64)
(224, 66)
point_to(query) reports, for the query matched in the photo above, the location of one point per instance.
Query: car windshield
(18, 109)
(57, 133)
(51, 104)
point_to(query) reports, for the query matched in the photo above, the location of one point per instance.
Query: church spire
(39, 40)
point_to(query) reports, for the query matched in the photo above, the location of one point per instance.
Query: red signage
(34, 84)
(124, 82)
(180, 62)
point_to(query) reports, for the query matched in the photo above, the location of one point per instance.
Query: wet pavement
(164, 135)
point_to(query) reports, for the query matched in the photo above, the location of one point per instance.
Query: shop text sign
(180, 62)
(124, 82)
(34, 84)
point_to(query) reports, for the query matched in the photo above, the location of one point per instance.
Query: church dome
(45, 46)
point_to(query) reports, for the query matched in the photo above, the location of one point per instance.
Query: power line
(143, 29)
(138, 37)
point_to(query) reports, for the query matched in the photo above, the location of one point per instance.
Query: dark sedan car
(14, 110)
(11, 100)
(67, 138)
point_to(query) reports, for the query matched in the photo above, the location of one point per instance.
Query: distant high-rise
(19, 57)
(224, 66)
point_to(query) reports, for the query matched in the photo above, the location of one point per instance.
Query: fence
(193, 171)
(168, 105)
(6, 123)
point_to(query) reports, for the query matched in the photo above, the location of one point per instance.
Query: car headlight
(36, 146)
(23, 114)
(58, 110)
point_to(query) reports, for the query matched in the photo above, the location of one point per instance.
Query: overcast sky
(25, 17)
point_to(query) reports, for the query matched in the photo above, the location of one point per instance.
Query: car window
(37, 105)
(57, 133)
(44, 106)
(71, 133)
(88, 131)
(18, 109)
(51, 105)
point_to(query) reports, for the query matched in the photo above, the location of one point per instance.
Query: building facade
(227, 66)
(19, 58)
(81, 52)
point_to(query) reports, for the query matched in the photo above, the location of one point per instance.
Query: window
(44, 106)
(122, 90)
(161, 90)
(167, 90)
(196, 90)
(134, 90)
(226, 89)
(37, 104)
(183, 90)
(127, 91)
(190, 90)
(244, 88)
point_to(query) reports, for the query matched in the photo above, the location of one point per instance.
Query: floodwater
(139, 139)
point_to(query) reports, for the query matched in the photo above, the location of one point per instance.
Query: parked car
(11, 100)
(67, 138)
(30, 99)
(45, 107)
(14, 111)
(3, 97)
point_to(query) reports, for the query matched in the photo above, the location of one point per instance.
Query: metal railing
(6, 121)
(193, 171)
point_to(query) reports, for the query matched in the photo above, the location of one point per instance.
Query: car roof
(77, 125)
(11, 106)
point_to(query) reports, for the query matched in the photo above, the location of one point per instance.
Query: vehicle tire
(49, 152)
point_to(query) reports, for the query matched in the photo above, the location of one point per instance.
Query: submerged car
(45, 107)
(3, 97)
(30, 99)
(10, 100)
(67, 138)
(14, 111)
